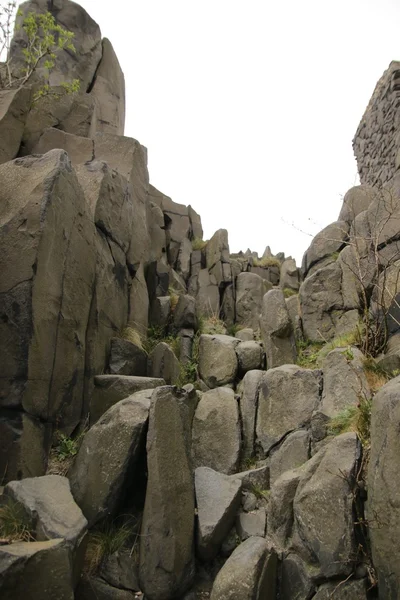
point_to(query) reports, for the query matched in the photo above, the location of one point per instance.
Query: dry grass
(108, 539)
(266, 262)
(131, 335)
(375, 375)
(199, 244)
(15, 525)
(355, 418)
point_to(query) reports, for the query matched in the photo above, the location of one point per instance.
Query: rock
(293, 307)
(95, 588)
(251, 524)
(207, 294)
(325, 488)
(248, 574)
(289, 277)
(348, 590)
(195, 222)
(120, 570)
(45, 223)
(249, 297)
(162, 363)
(109, 92)
(280, 507)
(166, 541)
(217, 255)
(327, 242)
(249, 501)
(250, 356)
(292, 453)
(245, 335)
(160, 312)
(248, 409)
(218, 498)
(288, 395)
(138, 317)
(216, 432)
(14, 105)
(50, 507)
(36, 570)
(183, 260)
(227, 312)
(383, 509)
(230, 543)
(155, 220)
(127, 358)
(109, 389)
(218, 363)
(356, 200)
(186, 337)
(79, 149)
(295, 579)
(320, 296)
(108, 456)
(185, 313)
(344, 380)
(276, 330)
(255, 478)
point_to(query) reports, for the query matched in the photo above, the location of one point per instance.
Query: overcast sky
(248, 109)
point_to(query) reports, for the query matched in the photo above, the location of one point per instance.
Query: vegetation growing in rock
(14, 524)
(266, 262)
(131, 335)
(307, 353)
(111, 537)
(288, 292)
(44, 39)
(199, 244)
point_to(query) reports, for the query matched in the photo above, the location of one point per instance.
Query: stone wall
(376, 143)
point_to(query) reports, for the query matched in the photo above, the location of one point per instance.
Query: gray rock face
(218, 363)
(277, 331)
(217, 257)
(280, 508)
(250, 524)
(254, 477)
(166, 542)
(250, 356)
(14, 105)
(248, 574)
(205, 289)
(162, 363)
(49, 505)
(36, 570)
(292, 453)
(218, 498)
(326, 242)
(109, 389)
(185, 313)
(107, 457)
(295, 579)
(248, 409)
(383, 492)
(127, 358)
(249, 295)
(288, 395)
(344, 380)
(293, 306)
(245, 335)
(324, 490)
(350, 590)
(356, 200)
(289, 277)
(95, 588)
(216, 432)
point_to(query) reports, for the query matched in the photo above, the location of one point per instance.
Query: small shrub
(67, 447)
(287, 292)
(109, 538)
(266, 262)
(199, 244)
(15, 525)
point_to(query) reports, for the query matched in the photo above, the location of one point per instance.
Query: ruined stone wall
(376, 143)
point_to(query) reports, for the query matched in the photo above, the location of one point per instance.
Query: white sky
(248, 109)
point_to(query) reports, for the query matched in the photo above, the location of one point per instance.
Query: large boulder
(162, 363)
(344, 590)
(127, 358)
(217, 257)
(248, 409)
(248, 574)
(218, 499)
(218, 363)
(288, 395)
(356, 200)
(216, 431)
(383, 490)
(292, 453)
(166, 541)
(289, 277)
(249, 295)
(325, 244)
(277, 330)
(14, 105)
(280, 507)
(250, 356)
(108, 456)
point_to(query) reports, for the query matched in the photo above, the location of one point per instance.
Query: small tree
(44, 39)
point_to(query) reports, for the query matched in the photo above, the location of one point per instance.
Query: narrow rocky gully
(178, 422)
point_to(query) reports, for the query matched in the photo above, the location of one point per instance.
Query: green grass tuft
(308, 353)
(287, 292)
(266, 262)
(199, 244)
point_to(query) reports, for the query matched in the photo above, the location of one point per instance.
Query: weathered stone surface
(127, 358)
(383, 489)
(249, 297)
(183, 258)
(280, 507)
(255, 478)
(95, 588)
(288, 395)
(228, 312)
(385, 298)
(250, 356)
(185, 313)
(218, 363)
(323, 507)
(250, 524)
(320, 296)
(245, 335)
(292, 453)
(36, 570)
(120, 570)
(344, 380)
(356, 200)
(162, 363)
(108, 456)
(195, 222)
(14, 105)
(109, 389)
(79, 149)
(349, 590)
(217, 255)
(289, 277)
(109, 92)
(248, 574)
(166, 541)
(293, 307)
(218, 498)
(160, 311)
(216, 432)
(50, 507)
(24, 444)
(44, 222)
(295, 581)
(248, 409)
(326, 242)
(277, 331)
(205, 289)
